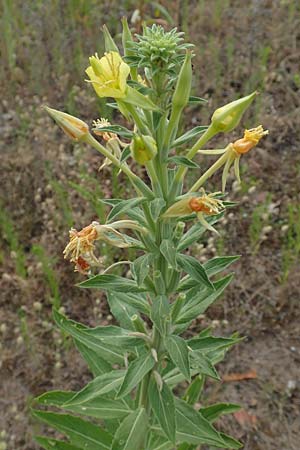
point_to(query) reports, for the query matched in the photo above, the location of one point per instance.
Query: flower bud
(227, 117)
(183, 86)
(75, 128)
(143, 148)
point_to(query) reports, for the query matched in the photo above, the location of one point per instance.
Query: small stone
(20, 340)
(62, 310)
(252, 189)
(3, 328)
(37, 306)
(267, 229)
(284, 228)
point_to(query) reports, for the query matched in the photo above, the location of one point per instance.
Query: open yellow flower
(203, 205)
(108, 75)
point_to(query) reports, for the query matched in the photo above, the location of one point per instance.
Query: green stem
(209, 133)
(154, 178)
(219, 163)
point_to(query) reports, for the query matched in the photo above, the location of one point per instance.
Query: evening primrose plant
(148, 374)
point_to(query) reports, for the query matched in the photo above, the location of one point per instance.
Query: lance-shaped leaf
(103, 384)
(141, 267)
(79, 431)
(194, 390)
(96, 364)
(137, 369)
(123, 206)
(124, 305)
(179, 354)
(54, 444)
(191, 134)
(160, 313)
(216, 265)
(183, 161)
(193, 428)
(132, 432)
(116, 336)
(157, 442)
(111, 283)
(99, 407)
(211, 343)
(197, 303)
(213, 412)
(117, 129)
(111, 353)
(162, 403)
(196, 271)
(168, 250)
(203, 364)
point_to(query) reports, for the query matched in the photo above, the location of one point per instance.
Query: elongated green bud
(126, 40)
(178, 232)
(75, 128)
(227, 117)
(110, 45)
(183, 86)
(138, 324)
(143, 148)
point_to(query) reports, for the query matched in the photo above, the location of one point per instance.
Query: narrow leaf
(80, 432)
(124, 206)
(168, 250)
(160, 313)
(96, 364)
(213, 412)
(196, 271)
(203, 364)
(53, 444)
(191, 134)
(183, 161)
(179, 354)
(111, 283)
(132, 432)
(162, 404)
(136, 371)
(216, 265)
(141, 267)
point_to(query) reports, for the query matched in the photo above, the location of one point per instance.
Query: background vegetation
(49, 184)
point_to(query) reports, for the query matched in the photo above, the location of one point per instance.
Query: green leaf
(189, 135)
(179, 354)
(157, 442)
(198, 302)
(168, 250)
(116, 336)
(216, 265)
(111, 283)
(213, 412)
(231, 442)
(125, 154)
(183, 161)
(160, 313)
(123, 306)
(193, 428)
(132, 432)
(135, 98)
(110, 353)
(196, 101)
(203, 364)
(196, 231)
(80, 432)
(55, 398)
(196, 271)
(96, 364)
(53, 444)
(194, 390)
(137, 369)
(162, 404)
(124, 206)
(103, 384)
(117, 129)
(156, 206)
(211, 343)
(141, 267)
(101, 408)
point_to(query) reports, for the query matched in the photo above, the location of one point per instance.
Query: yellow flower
(73, 127)
(108, 75)
(204, 205)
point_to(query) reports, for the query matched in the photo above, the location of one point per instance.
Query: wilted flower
(103, 123)
(73, 127)
(80, 249)
(108, 75)
(204, 205)
(231, 155)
